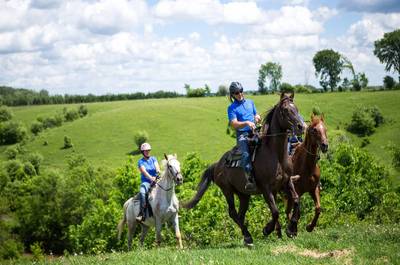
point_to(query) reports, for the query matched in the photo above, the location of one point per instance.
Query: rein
(158, 184)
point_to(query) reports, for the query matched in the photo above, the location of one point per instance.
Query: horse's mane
(266, 121)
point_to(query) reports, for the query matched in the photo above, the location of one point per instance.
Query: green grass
(183, 125)
(355, 244)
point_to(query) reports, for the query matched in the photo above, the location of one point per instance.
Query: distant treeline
(19, 97)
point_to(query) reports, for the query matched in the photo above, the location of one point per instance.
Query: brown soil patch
(336, 254)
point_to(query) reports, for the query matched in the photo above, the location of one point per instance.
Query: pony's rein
(161, 187)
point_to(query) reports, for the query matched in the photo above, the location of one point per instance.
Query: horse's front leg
(316, 197)
(294, 199)
(145, 229)
(175, 225)
(270, 200)
(158, 230)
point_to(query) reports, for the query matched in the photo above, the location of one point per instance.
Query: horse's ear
(166, 157)
(322, 117)
(312, 116)
(176, 156)
(291, 95)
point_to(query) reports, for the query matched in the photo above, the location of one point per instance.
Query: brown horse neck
(309, 150)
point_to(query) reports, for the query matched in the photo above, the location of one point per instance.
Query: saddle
(235, 155)
(148, 211)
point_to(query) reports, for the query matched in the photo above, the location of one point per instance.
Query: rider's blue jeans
(242, 141)
(144, 187)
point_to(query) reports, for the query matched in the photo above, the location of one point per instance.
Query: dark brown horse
(270, 155)
(305, 169)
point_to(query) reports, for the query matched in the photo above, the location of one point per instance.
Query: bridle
(171, 170)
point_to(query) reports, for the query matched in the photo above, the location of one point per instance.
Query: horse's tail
(121, 223)
(206, 179)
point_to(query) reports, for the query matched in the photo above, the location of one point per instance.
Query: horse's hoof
(248, 241)
(309, 228)
(290, 233)
(267, 231)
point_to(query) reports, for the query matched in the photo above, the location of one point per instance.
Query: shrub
(11, 132)
(5, 114)
(388, 82)
(51, 122)
(36, 127)
(302, 89)
(11, 152)
(67, 142)
(29, 169)
(10, 249)
(83, 111)
(361, 123)
(376, 115)
(286, 87)
(141, 137)
(15, 169)
(364, 120)
(71, 115)
(35, 159)
(37, 251)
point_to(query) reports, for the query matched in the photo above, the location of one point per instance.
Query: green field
(183, 125)
(355, 244)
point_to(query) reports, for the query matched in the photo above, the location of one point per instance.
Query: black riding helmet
(234, 88)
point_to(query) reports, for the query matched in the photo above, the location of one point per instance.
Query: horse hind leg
(316, 197)
(248, 240)
(131, 232)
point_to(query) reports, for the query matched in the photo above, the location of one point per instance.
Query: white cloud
(210, 11)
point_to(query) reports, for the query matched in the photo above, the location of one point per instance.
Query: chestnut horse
(305, 169)
(271, 154)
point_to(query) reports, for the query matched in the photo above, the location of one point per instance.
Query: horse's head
(317, 132)
(288, 114)
(174, 168)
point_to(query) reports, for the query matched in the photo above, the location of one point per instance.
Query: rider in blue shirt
(149, 171)
(242, 115)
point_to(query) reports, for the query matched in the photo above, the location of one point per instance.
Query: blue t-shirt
(150, 167)
(242, 111)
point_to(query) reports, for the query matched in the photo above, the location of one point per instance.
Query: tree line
(19, 97)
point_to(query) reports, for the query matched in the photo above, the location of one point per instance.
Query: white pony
(163, 202)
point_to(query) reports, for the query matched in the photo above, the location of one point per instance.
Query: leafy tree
(388, 82)
(140, 137)
(5, 114)
(286, 87)
(11, 132)
(207, 89)
(346, 84)
(271, 71)
(328, 66)
(387, 50)
(222, 90)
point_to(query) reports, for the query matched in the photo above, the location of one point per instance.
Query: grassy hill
(183, 125)
(358, 244)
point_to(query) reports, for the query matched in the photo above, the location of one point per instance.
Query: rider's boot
(141, 216)
(250, 183)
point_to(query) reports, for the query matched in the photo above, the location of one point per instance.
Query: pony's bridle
(172, 170)
(283, 115)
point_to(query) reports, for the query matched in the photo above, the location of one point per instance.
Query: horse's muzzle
(324, 148)
(179, 179)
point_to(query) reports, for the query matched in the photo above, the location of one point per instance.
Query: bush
(5, 114)
(67, 142)
(388, 82)
(11, 132)
(364, 120)
(11, 152)
(83, 111)
(10, 249)
(29, 169)
(15, 170)
(302, 89)
(51, 122)
(361, 123)
(141, 137)
(71, 115)
(35, 159)
(286, 87)
(36, 127)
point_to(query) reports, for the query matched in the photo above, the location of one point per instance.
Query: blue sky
(126, 46)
